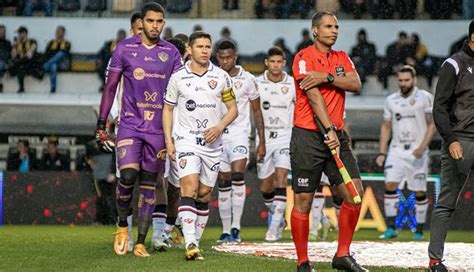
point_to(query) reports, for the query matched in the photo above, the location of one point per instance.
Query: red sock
(300, 232)
(348, 217)
(434, 261)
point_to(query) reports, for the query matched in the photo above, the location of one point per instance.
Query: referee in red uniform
(322, 78)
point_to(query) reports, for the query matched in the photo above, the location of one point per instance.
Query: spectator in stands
(53, 160)
(422, 60)
(46, 5)
(167, 33)
(5, 54)
(261, 8)
(354, 7)
(106, 52)
(225, 36)
(397, 54)
(457, 45)
(439, 9)
(197, 28)
(103, 170)
(24, 160)
(305, 42)
(407, 9)
(57, 56)
(280, 42)
(363, 55)
(468, 9)
(25, 58)
(381, 9)
(231, 4)
(303, 7)
(183, 37)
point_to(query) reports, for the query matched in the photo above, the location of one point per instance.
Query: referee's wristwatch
(330, 78)
(331, 127)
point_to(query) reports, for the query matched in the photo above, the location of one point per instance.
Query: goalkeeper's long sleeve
(108, 95)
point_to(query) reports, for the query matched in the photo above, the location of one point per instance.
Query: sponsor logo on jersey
(188, 84)
(191, 105)
(284, 89)
(302, 67)
(215, 167)
(134, 54)
(140, 74)
(182, 163)
(148, 115)
(146, 58)
(163, 56)
(212, 84)
(274, 120)
(150, 96)
(161, 154)
(202, 123)
(124, 142)
(303, 182)
(131, 45)
(285, 151)
(340, 71)
(266, 105)
(199, 89)
(273, 134)
(240, 149)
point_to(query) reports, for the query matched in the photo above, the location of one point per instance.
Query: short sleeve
(253, 88)
(301, 65)
(348, 64)
(177, 64)
(387, 111)
(171, 96)
(116, 63)
(429, 103)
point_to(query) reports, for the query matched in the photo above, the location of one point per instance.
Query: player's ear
(284, 62)
(314, 29)
(188, 49)
(266, 62)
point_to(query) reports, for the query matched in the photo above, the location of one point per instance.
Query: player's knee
(204, 197)
(128, 175)
(223, 183)
(420, 196)
(148, 176)
(237, 176)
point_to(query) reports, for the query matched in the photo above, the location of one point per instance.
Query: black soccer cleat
(305, 267)
(438, 267)
(347, 263)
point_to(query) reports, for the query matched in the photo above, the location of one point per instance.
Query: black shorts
(310, 157)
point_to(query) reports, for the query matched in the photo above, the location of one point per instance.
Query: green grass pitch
(89, 248)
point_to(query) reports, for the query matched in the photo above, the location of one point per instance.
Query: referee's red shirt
(336, 63)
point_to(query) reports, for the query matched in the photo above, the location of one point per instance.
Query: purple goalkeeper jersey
(145, 74)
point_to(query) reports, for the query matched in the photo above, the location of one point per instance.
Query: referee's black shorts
(310, 157)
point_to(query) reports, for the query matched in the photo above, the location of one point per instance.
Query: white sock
(390, 203)
(158, 221)
(130, 227)
(188, 214)
(201, 221)
(225, 208)
(238, 201)
(279, 206)
(168, 229)
(316, 209)
(421, 211)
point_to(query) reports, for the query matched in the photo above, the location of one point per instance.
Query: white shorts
(171, 172)
(236, 147)
(191, 161)
(277, 155)
(399, 168)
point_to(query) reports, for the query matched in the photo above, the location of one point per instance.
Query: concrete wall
(88, 34)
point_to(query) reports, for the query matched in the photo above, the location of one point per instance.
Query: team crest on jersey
(182, 163)
(284, 89)
(122, 152)
(340, 71)
(161, 154)
(412, 102)
(238, 84)
(212, 83)
(163, 56)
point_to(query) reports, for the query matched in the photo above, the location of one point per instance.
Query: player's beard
(406, 90)
(150, 37)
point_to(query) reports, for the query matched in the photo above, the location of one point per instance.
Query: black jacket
(453, 109)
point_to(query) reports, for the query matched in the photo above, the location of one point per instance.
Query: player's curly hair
(275, 51)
